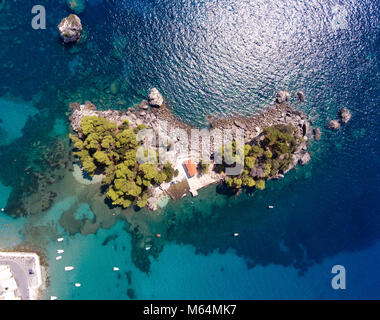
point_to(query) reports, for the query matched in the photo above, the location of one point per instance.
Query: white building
(8, 285)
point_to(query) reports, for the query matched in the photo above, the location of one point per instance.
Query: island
(241, 152)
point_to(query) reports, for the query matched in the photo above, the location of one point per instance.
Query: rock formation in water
(70, 29)
(334, 125)
(317, 133)
(155, 98)
(304, 158)
(345, 115)
(301, 96)
(282, 96)
(77, 6)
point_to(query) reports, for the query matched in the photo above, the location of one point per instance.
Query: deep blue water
(221, 58)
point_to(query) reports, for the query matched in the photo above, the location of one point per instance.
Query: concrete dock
(25, 269)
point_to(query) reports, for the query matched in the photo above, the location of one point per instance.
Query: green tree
(102, 158)
(203, 166)
(142, 201)
(250, 162)
(89, 165)
(260, 184)
(169, 171)
(248, 181)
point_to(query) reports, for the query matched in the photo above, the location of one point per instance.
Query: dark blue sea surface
(218, 57)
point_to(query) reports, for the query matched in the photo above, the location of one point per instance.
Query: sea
(207, 57)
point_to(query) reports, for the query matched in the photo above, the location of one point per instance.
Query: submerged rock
(334, 125)
(301, 96)
(282, 96)
(77, 6)
(115, 87)
(131, 294)
(70, 28)
(345, 115)
(155, 98)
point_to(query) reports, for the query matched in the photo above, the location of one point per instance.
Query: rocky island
(108, 144)
(70, 29)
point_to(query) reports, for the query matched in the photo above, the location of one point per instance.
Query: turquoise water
(16, 115)
(206, 57)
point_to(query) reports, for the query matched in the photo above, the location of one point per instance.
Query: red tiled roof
(191, 168)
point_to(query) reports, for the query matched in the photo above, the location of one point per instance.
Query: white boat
(53, 298)
(58, 258)
(236, 234)
(116, 269)
(60, 251)
(77, 284)
(60, 239)
(69, 268)
(2, 209)
(148, 248)
(270, 207)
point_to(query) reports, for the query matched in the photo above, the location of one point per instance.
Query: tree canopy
(263, 160)
(104, 148)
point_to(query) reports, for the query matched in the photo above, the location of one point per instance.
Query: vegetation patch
(104, 148)
(267, 157)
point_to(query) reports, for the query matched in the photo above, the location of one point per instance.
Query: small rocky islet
(275, 141)
(70, 29)
(344, 117)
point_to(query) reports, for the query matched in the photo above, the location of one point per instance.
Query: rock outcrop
(88, 109)
(301, 96)
(70, 29)
(144, 105)
(240, 124)
(317, 133)
(155, 98)
(304, 158)
(334, 125)
(345, 115)
(77, 6)
(282, 96)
